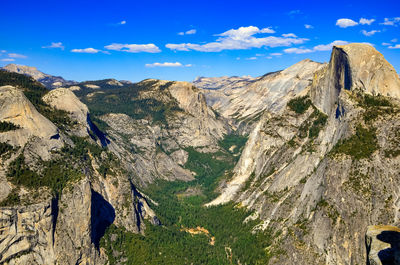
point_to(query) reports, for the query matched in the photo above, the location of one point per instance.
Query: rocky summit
(298, 166)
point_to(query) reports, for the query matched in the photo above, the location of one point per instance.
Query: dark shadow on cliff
(387, 255)
(97, 134)
(102, 216)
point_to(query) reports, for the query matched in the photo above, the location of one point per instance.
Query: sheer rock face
(48, 81)
(34, 127)
(319, 203)
(354, 67)
(27, 229)
(245, 100)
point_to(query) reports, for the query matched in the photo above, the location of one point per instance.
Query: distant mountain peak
(47, 80)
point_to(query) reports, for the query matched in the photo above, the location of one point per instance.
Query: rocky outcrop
(27, 235)
(48, 81)
(65, 99)
(383, 245)
(354, 67)
(42, 134)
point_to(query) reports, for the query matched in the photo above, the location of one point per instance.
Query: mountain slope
(324, 168)
(245, 99)
(60, 188)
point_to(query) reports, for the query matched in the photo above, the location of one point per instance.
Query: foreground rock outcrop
(383, 245)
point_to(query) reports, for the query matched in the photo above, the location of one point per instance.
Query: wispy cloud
(391, 21)
(297, 50)
(365, 21)
(123, 22)
(7, 60)
(189, 32)
(386, 44)
(307, 26)
(239, 39)
(294, 12)
(289, 35)
(321, 47)
(346, 22)
(86, 50)
(394, 40)
(369, 33)
(275, 54)
(57, 45)
(397, 46)
(16, 55)
(252, 58)
(167, 64)
(133, 48)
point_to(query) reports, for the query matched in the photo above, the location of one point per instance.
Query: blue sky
(179, 40)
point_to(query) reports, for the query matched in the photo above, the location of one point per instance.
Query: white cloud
(289, 35)
(365, 21)
(133, 48)
(297, 50)
(397, 46)
(386, 44)
(58, 45)
(269, 57)
(239, 39)
(329, 46)
(369, 33)
(167, 64)
(189, 32)
(3, 51)
(307, 26)
(251, 58)
(276, 54)
(123, 22)
(391, 21)
(7, 60)
(16, 55)
(86, 50)
(394, 40)
(345, 22)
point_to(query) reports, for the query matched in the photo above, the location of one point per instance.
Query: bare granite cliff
(61, 219)
(322, 170)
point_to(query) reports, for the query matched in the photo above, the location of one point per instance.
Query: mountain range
(292, 167)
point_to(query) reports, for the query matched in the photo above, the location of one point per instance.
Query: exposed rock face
(17, 109)
(245, 100)
(354, 67)
(147, 147)
(320, 200)
(383, 245)
(65, 229)
(27, 236)
(65, 99)
(48, 81)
